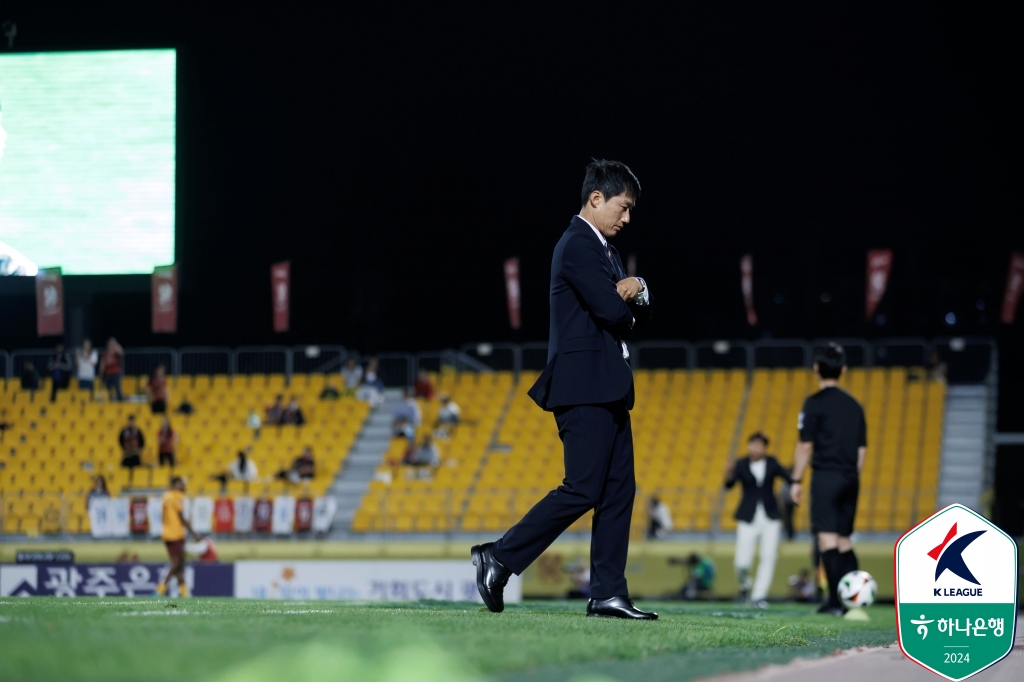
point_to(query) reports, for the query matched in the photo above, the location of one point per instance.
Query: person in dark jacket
(757, 517)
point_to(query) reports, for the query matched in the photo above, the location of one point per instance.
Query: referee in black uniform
(833, 439)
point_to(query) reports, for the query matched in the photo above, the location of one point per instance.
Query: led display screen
(87, 167)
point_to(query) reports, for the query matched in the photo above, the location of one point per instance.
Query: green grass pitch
(235, 640)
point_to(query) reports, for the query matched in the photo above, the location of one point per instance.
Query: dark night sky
(398, 156)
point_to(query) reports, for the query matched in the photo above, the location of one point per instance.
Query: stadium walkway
(878, 665)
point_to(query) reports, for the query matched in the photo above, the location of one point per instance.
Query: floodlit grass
(235, 639)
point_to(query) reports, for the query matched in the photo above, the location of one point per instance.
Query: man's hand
(795, 493)
(628, 288)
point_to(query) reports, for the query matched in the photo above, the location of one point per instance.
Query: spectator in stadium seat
(303, 467)
(86, 359)
(185, 407)
(110, 368)
(424, 387)
(659, 518)
(99, 488)
(60, 371)
(293, 414)
(330, 392)
(242, 469)
(29, 377)
(157, 390)
(450, 413)
(407, 417)
(425, 454)
(275, 413)
(167, 439)
(132, 441)
(254, 422)
(372, 388)
(352, 373)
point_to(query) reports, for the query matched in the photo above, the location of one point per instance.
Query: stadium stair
(964, 444)
(371, 444)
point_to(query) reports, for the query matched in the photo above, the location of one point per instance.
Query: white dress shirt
(643, 298)
(759, 469)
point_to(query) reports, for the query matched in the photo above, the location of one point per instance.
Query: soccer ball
(857, 589)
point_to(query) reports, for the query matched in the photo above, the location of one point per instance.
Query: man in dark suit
(588, 385)
(757, 516)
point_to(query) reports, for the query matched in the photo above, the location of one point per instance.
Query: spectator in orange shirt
(167, 439)
(423, 388)
(157, 389)
(110, 368)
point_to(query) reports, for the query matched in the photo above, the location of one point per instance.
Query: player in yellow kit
(175, 526)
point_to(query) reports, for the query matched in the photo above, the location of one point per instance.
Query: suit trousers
(747, 535)
(598, 451)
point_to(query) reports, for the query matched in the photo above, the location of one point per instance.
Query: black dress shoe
(491, 576)
(618, 607)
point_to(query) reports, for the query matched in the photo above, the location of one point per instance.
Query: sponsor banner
(111, 580)
(747, 284)
(512, 291)
(1014, 287)
(201, 517)
(49, 302)
(879, 267)
(363, 580)
(244, 512)
(956, 593)
(164, 285)
(280, 288)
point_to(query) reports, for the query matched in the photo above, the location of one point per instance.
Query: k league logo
(956, 593)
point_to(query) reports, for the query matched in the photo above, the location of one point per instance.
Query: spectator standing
(352, 373)
(303, 467)
(99, 488)
(29, 377)
(424, 387)
(372, 388)
(254, 422)
(407, 417)
(659, 518)
(294, 415)
(167, 439)
(276, 412)
(132, 441)
(110, 368)
(86, 359)
(157, 389)
(60, 371)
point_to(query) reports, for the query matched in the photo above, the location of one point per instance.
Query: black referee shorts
(833, 502)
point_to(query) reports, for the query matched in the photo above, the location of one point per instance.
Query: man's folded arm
(582, 268)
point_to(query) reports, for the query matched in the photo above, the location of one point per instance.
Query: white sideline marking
(179, 612)
(301, 611)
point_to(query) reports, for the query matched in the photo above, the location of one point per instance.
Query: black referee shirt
(834, 421)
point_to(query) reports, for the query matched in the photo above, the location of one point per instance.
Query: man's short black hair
(757, 435)
(611, 178)
(175, 480)
(831, 359)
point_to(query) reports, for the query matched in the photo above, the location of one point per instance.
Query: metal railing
(965, 359)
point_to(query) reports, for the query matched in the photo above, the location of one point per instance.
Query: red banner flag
(224, 515)
(512, 291)
(49, 302)
(303, 514)
(879, 267)
(747, 284)
(164, 286)
(280, 287)
(1014, 287)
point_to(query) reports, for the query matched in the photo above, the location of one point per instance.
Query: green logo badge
(956, 593)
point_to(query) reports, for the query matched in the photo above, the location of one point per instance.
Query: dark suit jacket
(752, 492)
(588, 321)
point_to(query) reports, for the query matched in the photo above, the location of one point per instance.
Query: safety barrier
(965, 359)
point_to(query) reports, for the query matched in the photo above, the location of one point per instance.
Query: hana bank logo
(949, 557)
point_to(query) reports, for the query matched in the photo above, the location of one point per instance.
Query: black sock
(848, 562)
(832, 562)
